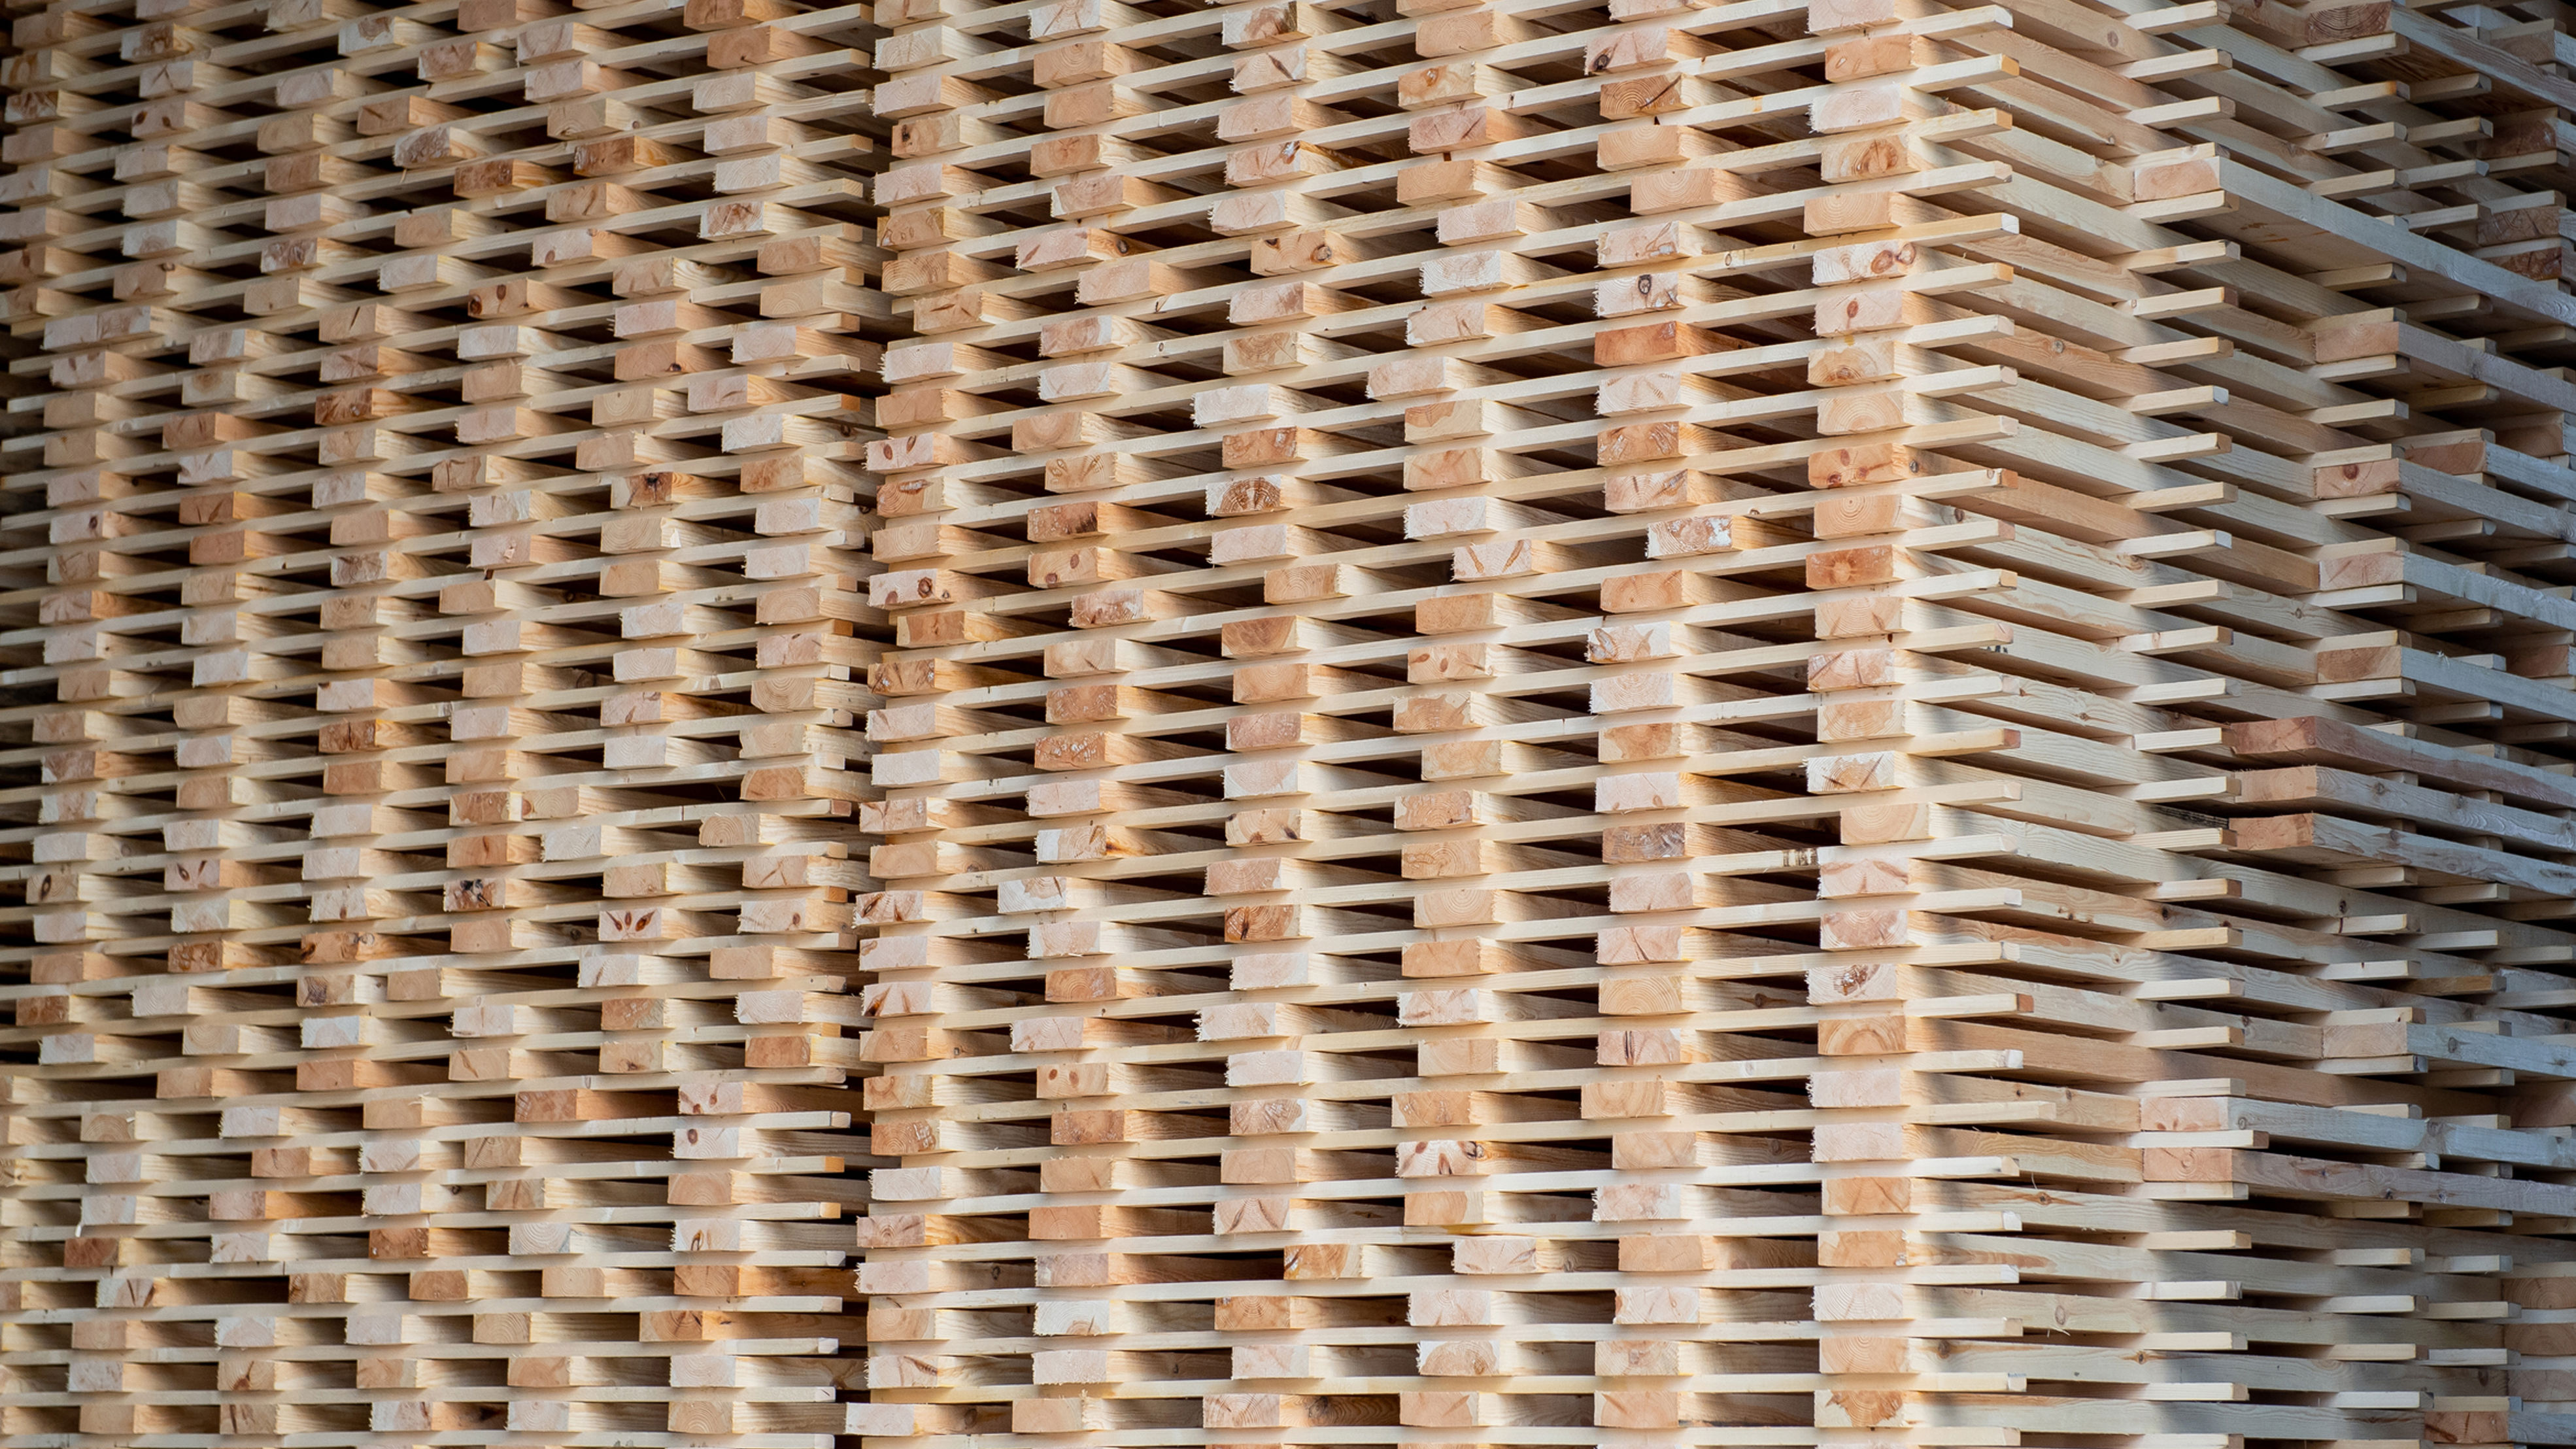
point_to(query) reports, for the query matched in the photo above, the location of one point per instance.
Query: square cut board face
(1456, 723)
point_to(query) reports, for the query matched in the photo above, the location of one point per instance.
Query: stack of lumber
(1509, 723)
(1766, 722)
(436, 676)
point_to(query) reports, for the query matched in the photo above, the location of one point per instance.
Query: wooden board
(1511, 724)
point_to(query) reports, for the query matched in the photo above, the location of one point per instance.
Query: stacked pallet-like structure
(1513, 723)
(1652, 723)
(436, 672)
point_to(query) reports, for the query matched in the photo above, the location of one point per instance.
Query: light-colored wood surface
(1630, 724)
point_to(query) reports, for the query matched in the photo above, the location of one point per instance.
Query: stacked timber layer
(1653, 724)
(435, 687)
